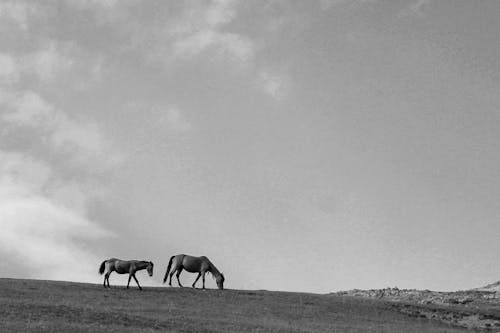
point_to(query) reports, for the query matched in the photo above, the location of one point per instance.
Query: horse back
(122, 266)
(194, 264)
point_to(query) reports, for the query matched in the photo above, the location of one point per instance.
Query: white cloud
(91, 73)
(200, 27)
(48, 62)
(416, 9)
(29, 109)
(21, 175)
(38, 231)
(327, 4)
(98, 4)
(170, 118)
(9, 69)
(204, 28)
(176, 121)
(81, 141)
(272, 84)
(194, 44)
(236, 45)
(69, 133)
(17, 12)
(232, 45)
(70, 194)
(197, 16)
(220, 12)
(103, 11)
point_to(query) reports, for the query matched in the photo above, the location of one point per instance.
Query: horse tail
(103, 265)
(168, 268)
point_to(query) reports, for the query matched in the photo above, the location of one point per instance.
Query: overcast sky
(302, 146)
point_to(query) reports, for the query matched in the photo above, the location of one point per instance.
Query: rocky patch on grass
(476, 308)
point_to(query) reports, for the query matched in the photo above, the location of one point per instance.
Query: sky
(300, 145)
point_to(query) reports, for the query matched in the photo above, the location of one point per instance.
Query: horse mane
(214, 271)
(146, 262)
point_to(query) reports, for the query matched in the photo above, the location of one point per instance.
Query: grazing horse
(123, 267)
(199, 265)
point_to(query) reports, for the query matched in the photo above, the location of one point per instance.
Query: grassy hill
(50, 306)
(475, 308)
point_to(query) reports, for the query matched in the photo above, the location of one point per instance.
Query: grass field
(49, 306)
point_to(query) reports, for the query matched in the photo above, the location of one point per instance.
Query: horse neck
(141, 265)
(214, 270)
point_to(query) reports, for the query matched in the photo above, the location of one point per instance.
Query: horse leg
(133, 275)
(128, 283)
(106, 279)
(199, 274)
(104, 282)
(177, 276)
(203, 279)
(171, 274)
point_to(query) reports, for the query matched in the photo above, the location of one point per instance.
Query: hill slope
(476, 308)
(49, 306)
(490, 287)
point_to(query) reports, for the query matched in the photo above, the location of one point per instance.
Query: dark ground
(49, 306)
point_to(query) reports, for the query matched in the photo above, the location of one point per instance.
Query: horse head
(149, 268)
(220, 281)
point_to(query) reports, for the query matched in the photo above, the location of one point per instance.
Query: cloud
(194, 44)
(220, 12)
(29, 109)
(327, 4)
(17, 12)
(48, 62)
(272, 84)
(82, 136)
(232, 45)
(176, 121)
(21, 175)
(40, 235)
(9, 69)
(44, 207)
(204, 31)
(170, 118)
(58, 62)
(416, 9)
(197, 16)
(83, 142)
(94, 4)
(199, 27)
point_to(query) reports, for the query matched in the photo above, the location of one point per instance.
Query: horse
(199, 265)
(123, 267)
